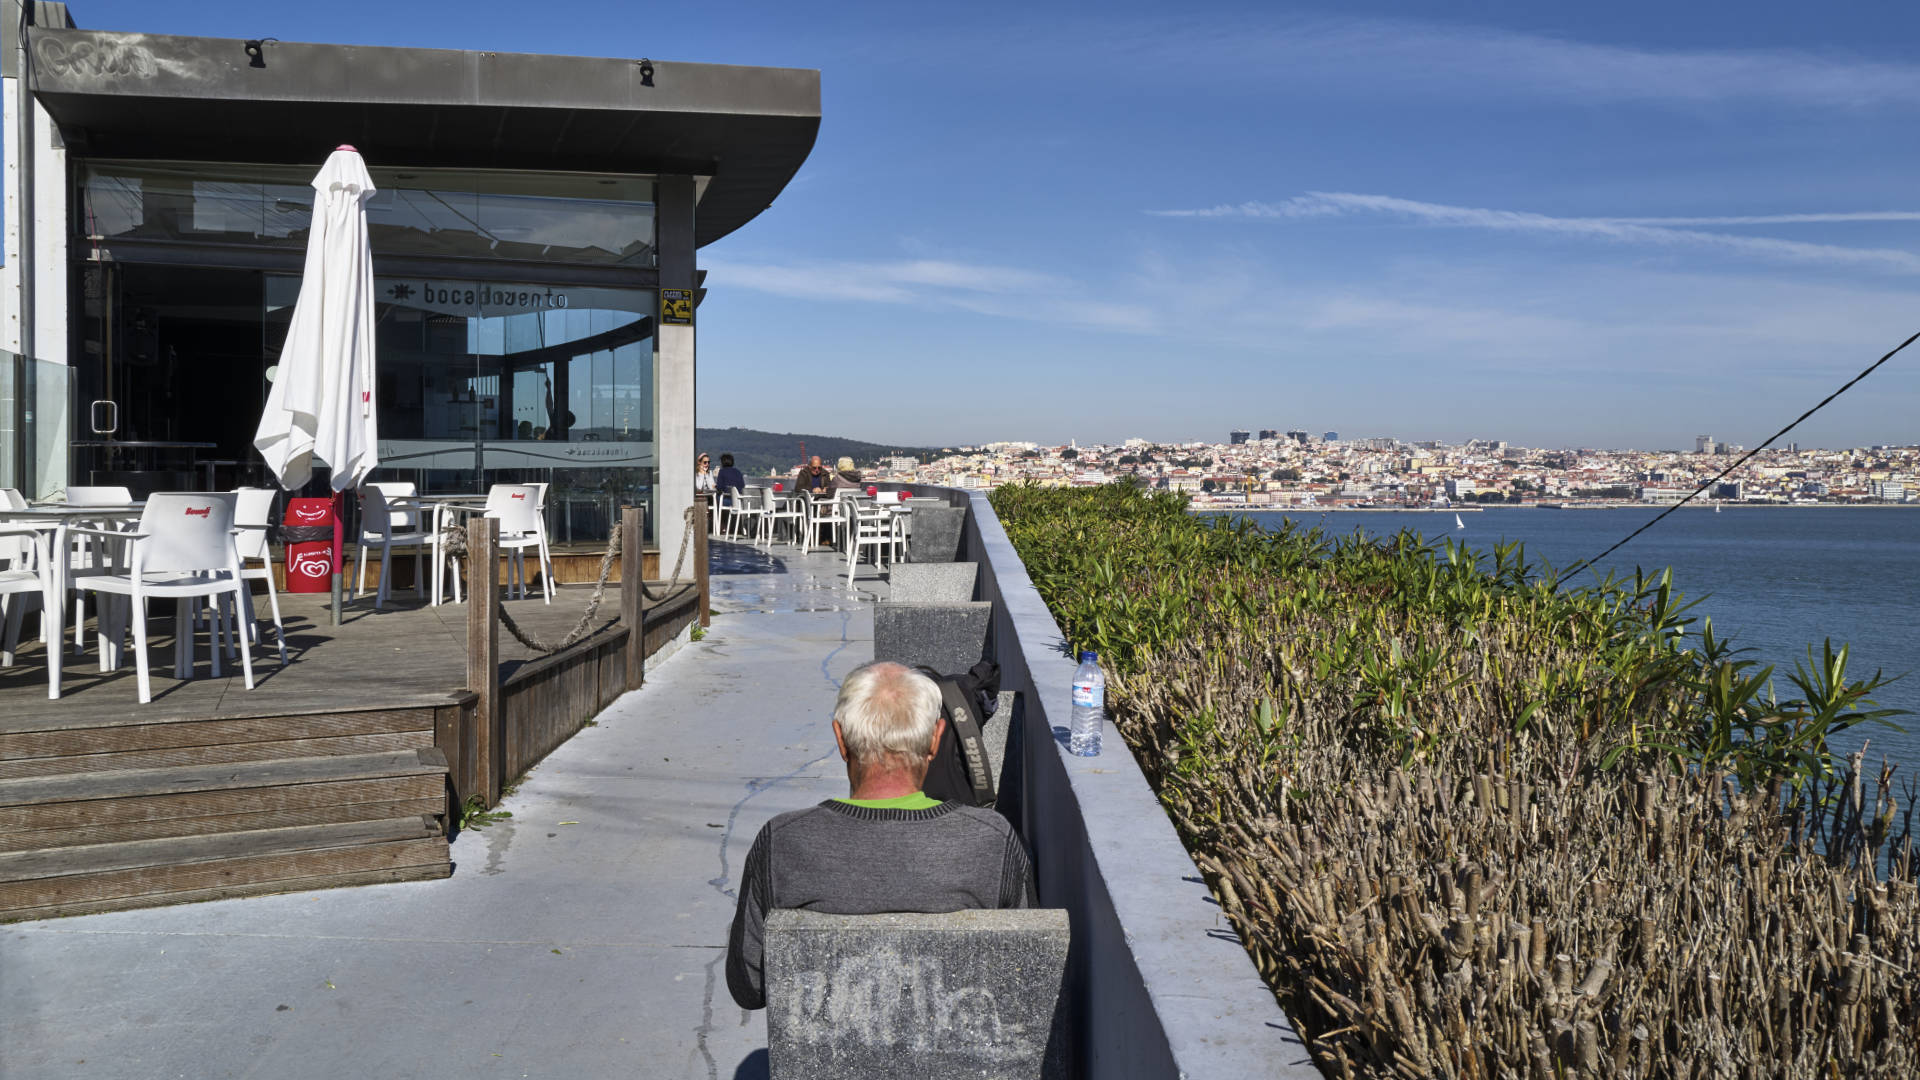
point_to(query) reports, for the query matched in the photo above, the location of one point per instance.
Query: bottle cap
(1088, 656)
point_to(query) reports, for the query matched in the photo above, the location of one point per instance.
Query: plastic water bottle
(1089, 707)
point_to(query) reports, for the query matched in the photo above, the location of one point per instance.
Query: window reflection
(449, 213)
(497, 382)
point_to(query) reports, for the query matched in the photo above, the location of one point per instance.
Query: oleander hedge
(1471, 821)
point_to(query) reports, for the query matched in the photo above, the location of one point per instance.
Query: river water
(1776, 579)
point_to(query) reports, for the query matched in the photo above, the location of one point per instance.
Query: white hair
(887, 710)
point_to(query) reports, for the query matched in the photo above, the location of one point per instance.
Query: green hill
(764, 453)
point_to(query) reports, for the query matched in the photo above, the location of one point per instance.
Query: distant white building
(1663, 494)
(1461, 489)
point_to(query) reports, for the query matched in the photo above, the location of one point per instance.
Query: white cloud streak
(1403, 57)
(985, 289)
(1663, 232)
(1775, 219)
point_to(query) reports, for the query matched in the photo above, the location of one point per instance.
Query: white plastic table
(56, 519)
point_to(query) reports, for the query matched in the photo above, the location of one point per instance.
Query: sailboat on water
(1457, 523)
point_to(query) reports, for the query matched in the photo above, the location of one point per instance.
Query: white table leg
(53, 608)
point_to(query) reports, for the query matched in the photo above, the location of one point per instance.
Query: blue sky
(1616, 225)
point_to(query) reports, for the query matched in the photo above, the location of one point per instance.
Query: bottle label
(1084, 696)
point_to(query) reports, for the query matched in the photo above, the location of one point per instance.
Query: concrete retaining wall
(1160, 983)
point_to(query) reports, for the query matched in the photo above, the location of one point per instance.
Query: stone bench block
(931, 582)
(967, 994)
(935, 534)
(949, 638)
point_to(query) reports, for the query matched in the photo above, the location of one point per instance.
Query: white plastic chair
(92, 558)
(872, 528)
(15, 548)
(99, 496)
(28, 577)
(380, 528)
(831, 514)
(726, 506)
(446, 564)
(405, 519)
(787, 506)
(183, 549)
(517, 506)
(252, 514)
(749, 506)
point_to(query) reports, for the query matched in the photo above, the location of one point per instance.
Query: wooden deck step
(31, 734)
(224, 753)
(142, 873)
(143, 804)
(310, 804)
(134, 783)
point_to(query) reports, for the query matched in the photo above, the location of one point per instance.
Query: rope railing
(454, 541)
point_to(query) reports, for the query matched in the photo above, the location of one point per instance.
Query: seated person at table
(887, 846)
(729, 478)
(814, 477)
(849, 474)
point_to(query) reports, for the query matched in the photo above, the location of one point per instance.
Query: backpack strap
(962, 714)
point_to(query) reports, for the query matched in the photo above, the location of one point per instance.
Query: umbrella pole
(339, 549)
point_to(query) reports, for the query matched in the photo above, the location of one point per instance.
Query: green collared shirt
(916, 801)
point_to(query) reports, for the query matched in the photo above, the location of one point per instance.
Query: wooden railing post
(632, 599)
(702, 515)
(483, 652)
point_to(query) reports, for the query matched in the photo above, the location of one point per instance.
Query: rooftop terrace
(583, 936)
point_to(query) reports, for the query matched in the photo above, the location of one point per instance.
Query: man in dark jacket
(887, 846)
(814, 477)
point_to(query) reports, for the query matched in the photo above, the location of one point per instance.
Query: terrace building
(535, 238)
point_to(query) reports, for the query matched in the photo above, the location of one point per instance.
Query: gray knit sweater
(856, 860)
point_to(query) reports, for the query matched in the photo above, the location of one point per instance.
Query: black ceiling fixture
(257, 51)
(646, 72)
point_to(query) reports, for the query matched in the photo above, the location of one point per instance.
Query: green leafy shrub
(1472, 822)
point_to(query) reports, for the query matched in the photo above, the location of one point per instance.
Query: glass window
(569, 218)
(484, 382)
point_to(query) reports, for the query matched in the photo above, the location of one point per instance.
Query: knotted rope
(454, 541)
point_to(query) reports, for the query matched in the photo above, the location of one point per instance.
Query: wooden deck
(333, 770)
(410, 655)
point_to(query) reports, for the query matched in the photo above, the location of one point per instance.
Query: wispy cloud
(1776, 219)
(1003, 291)
(1664, 232)
(1402, 57)
(1435, 53)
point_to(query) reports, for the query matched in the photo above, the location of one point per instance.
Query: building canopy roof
(745, 129)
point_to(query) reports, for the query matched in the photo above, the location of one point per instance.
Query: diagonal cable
(1744, 458)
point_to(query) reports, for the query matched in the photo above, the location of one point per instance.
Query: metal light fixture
(646, 72)
(257, 51)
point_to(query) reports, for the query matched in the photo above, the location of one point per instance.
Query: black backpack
(960, 770)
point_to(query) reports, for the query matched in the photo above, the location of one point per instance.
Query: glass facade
(505, 382)
(448, 213)
(487, 374)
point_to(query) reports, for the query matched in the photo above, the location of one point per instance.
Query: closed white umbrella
(321, 406)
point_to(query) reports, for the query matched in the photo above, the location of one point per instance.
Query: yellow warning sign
(676, 307)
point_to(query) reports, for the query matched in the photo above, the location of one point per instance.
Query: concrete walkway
(582, 938)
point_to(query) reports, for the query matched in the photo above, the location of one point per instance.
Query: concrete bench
(931, 582)
(934, 535)
(947, 637)
(968, 994)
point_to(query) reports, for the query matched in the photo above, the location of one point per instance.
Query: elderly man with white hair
(885, 847)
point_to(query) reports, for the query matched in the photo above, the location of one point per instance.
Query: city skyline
(1603, 225)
